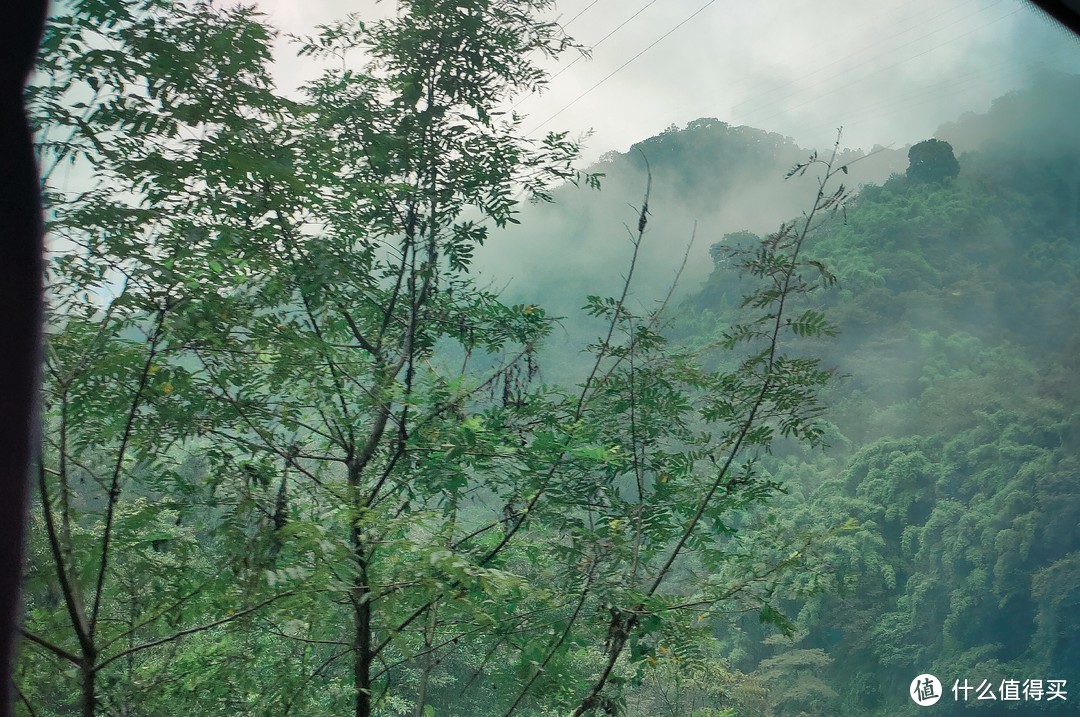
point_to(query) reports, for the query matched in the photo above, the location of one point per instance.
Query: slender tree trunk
(89, 686)
(428, 662)
(360, 595)
(361, 598)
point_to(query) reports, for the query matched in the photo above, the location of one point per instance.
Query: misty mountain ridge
(711, 178)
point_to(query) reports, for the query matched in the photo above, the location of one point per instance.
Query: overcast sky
(889, 71)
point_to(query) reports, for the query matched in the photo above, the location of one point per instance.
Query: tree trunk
(89, 688)
(428, 661)
(361, 598)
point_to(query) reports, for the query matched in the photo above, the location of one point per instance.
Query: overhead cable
(591, 47)
(621, 67)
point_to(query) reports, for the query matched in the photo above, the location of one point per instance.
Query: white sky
(890, 71)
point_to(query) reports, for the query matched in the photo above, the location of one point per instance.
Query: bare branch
(55, 649)
(191, 631)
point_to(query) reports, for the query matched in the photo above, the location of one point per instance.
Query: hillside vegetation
(956, 439)
(332, 425)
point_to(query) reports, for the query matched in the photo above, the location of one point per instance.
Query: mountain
(708, 178)
(955, 440)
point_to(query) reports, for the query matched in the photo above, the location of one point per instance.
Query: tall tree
(266, 342)
(114, 575)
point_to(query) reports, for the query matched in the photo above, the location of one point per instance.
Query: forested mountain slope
(955, 437)
(956, 441)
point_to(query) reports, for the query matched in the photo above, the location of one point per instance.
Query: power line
(575, 17)
(624, 65)
(648, 4)
(601, 40)
(965, 82)
(593, 47)
(642, 9)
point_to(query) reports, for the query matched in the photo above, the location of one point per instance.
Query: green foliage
(954, 442)
(297, 460)
(932, 160)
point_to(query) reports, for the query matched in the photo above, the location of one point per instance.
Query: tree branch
(190, 631)
(55, 649)
(114, 487)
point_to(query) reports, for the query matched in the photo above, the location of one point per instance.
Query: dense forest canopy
(955, 437)
(301, 456)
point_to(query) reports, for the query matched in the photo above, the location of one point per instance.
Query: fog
(890, 72)
(793, 72)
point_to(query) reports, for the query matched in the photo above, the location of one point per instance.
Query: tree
(116, 571)
(932, 160)
(266, 342)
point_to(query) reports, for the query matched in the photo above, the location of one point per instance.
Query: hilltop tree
(932, 160)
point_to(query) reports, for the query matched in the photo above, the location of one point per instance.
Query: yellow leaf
(166, 388)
